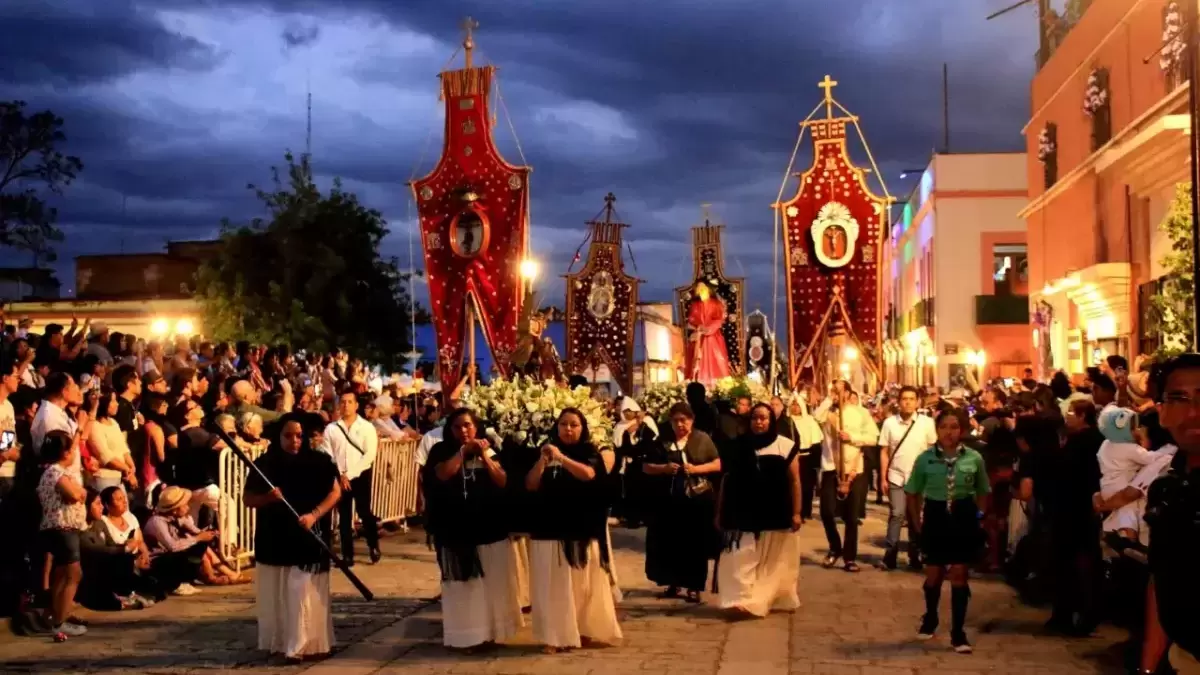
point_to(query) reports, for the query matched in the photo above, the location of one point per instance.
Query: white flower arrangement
(1172, 54)
(1096, 95)
(656, 400)
(734, 387)
(1046, 145)
(524, 410)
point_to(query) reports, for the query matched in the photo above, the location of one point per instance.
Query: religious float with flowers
(657, 400)
(523, 410)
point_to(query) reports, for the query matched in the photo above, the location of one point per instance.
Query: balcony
(999, 310)
(1056, 27)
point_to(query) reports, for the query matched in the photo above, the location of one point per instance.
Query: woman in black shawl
(758, 508)
(680, 539)
(294, 616)
(570, 583)
(465, 506)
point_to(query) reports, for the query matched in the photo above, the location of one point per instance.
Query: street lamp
(529, 269)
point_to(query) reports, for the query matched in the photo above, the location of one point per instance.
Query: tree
(310, 275)
(1172, 309)
(29, 160)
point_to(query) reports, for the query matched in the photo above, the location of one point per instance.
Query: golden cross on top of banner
(828, 84)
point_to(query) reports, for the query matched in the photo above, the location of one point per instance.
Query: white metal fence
(393, 496)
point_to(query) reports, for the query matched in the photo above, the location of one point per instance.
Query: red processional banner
(473, 210)
(833, 230)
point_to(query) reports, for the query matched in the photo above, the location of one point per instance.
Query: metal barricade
(393, 496)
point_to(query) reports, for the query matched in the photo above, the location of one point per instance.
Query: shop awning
(1102, 294)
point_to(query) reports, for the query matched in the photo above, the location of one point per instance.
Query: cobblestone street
(399, 633)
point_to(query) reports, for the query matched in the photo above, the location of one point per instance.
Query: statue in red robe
(707, 357)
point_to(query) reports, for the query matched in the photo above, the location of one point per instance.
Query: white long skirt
(570, 603)
(294, 617)
(761, 575)
(487, 608)
(520, 562)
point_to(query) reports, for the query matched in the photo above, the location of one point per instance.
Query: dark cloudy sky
(174, 105)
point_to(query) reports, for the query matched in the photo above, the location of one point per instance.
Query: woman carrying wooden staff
(292, 582)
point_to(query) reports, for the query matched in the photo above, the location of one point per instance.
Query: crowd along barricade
(393, 496)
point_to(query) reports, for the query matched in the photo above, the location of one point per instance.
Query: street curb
(381, 647)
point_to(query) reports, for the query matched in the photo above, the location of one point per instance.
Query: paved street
(399, 633)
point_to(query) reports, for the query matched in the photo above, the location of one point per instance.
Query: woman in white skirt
(758, 507)
(464, 505)
(292, 575)
(570, 561)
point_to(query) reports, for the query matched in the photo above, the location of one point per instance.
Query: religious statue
(601, 301)
(707, 358)
(535, 355)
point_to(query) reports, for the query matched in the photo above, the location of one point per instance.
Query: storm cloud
(175, 106)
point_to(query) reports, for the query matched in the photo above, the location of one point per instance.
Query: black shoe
(349, 561)
(376, 555)
(914, 561)
(928, 629)
(671, 593)
(889, 558)
(960, 644)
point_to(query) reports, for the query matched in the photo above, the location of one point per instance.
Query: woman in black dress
(570, 583)
(292, 572)
(758, 508)
(681, 538)
(464, 492)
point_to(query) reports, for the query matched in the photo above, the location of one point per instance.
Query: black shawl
(572, 511)
(306, 478)
(463, 512)
(758, 488)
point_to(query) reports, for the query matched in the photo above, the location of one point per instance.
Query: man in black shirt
(1173, 513)
(128, 388)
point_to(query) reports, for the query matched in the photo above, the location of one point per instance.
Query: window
(1010, 269)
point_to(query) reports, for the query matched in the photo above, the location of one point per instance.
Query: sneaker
(185, 589)
(142, 602)
(960, 644)
(928, 629)
(70, 629)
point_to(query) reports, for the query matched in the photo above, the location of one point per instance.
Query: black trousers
(810, 471)
(357, 497)
(833, 508)
(871, 466)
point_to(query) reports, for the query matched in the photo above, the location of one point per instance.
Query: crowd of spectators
(109, 461)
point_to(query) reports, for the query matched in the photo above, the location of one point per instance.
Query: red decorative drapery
(832, 237)
(473, 210)
(602, 306)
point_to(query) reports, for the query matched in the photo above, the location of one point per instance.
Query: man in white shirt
(353, 443)
(61, 392)
(903, 438)
(849, 426)
(10, 380)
